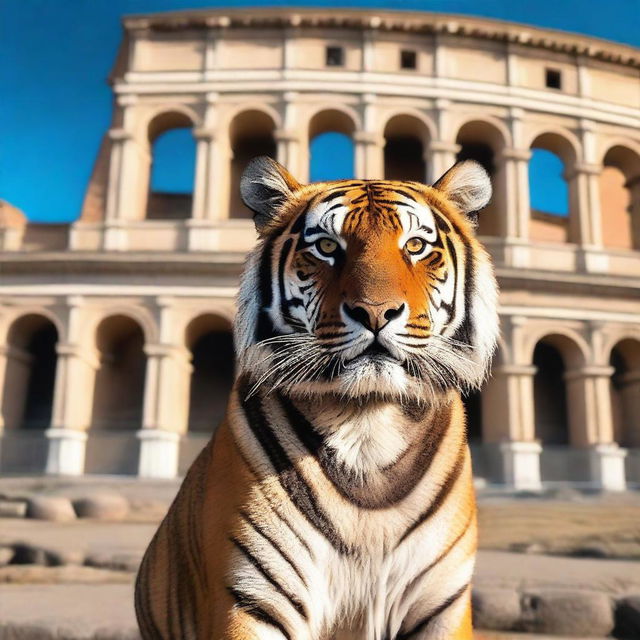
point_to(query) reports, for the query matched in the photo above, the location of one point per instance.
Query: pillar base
(158, 453)
(607, 468)
(521, 465)
(66, 452)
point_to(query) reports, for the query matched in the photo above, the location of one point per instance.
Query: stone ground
(564, 540)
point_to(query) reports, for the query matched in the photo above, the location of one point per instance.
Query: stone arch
(407, 137)
(209, 338)
(28, 391)
(556, 354)
(118, 397)
(342, 116)
(332, 126)
(624, 357)
(137, 314)
(169, 202)
(549, 224)
(619, 184)
(251, 134)
(10, 319)
(484, 140)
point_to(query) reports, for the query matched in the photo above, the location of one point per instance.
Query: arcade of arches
(404, 148)
(575, 410)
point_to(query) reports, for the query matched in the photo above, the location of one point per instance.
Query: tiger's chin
(367, 377)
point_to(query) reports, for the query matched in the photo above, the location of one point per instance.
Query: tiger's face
(365, 288)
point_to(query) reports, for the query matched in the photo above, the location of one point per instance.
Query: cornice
(230, 265)
(391, 21)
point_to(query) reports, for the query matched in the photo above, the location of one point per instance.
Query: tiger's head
(366, 287)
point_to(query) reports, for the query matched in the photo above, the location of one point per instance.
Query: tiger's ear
(265, 185)
(468, 186)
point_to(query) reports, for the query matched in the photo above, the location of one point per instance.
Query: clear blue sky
(55, 56)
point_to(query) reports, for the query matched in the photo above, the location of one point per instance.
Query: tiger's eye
(326, 246)
(414, 245)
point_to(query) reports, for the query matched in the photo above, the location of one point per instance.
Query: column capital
(201, 133)
(443, 104)
(592, 371)
(512, 153)
(286, 135)
(515, 369)
(119, 134)
(582, 168)
(164, 350)
(444, 145)
(366, 137)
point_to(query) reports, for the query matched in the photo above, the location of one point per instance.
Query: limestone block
(495, 609)
(105, 506)
(627, 616)
(56, 509)
(13, 508)
(580, 614)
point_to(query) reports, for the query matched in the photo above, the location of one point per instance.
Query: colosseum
(115, 348)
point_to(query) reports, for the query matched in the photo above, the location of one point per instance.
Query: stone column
(509, 428)
(72, 405)
(287, 142)
(119, 188)
(585, 223)
(369, 155)
(591, 424)
(441, 157)
(204, 140)
(166, 405)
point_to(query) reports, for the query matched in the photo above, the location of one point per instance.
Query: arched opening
(625, 392)
(212, 356)
(210, 341)
(251, 135)
(118, 397)
(484, 143)
(406, 140)
(331, 148)
(172, 170)
(549, 396)
(27, 398)
(552, 218)
(559, 403)
(620, 199)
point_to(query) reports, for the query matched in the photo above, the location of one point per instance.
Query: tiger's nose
(373, 316)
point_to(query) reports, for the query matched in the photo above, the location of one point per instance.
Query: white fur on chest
(368, 441)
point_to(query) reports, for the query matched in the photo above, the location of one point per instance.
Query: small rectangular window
(553, 79)
(335, 57)
(408, 59)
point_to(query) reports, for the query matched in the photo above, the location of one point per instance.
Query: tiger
(335, 501)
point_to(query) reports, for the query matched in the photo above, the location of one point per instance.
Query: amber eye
(326, 246)
(414, 245)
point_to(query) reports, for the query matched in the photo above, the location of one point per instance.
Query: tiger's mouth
(375, 352)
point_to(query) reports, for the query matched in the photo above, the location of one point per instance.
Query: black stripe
(445, 489)
(434, 614)
(299, 492)
(295, 603)
(250, 606)
(464, 333)
(264, 328)
(261, 531)
(344, 480)
(454, 259)
(437, 560)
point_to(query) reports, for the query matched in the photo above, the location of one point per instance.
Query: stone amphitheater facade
(115, 347)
